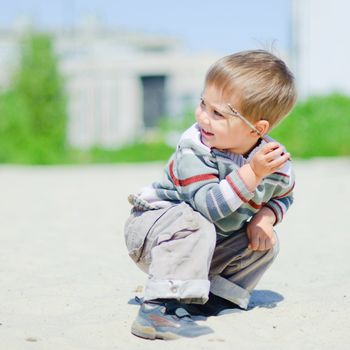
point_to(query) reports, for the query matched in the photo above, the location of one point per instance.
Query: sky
(221, 26)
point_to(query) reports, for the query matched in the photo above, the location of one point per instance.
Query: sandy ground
(66, 281)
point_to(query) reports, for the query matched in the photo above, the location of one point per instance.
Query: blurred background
(101, 81)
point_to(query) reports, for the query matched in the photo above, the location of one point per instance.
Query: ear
(263, 126)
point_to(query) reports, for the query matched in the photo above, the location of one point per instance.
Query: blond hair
(262, 82)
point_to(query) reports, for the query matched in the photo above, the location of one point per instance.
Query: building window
(154, 99)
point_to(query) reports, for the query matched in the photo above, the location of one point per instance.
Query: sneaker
(165, 320)
(213, 307)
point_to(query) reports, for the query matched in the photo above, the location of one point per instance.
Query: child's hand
(260, 230)
(268, 159)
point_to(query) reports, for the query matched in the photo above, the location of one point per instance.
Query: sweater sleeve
(196, 178)
(283, 194)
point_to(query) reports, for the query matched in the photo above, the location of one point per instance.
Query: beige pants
(179, 250)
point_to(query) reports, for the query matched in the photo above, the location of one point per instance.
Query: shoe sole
(150, 333)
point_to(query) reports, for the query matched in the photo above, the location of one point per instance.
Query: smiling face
(219, 129)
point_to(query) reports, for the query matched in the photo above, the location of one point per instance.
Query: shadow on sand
(259, 298)
(264, 298)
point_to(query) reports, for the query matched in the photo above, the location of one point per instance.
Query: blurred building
(119, 83)
(321, 46)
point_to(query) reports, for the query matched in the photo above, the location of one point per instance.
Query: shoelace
(172, 307)
(138, 300)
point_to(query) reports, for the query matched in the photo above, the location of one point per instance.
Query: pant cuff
(226, 289)
(195, 291)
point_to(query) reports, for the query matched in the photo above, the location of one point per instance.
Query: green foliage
(179, 124)
(138, 152)
(317, 127)
(33, 113)
(320, 126)
(33, 120)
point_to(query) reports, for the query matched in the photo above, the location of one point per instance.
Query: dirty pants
(185, 259)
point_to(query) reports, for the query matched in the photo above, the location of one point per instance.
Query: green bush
(33, 112)
(33, 120)
(138, 152)
(319, 126)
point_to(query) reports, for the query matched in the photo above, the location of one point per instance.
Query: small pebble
(32, 339)
(138, 289)
(217, 339)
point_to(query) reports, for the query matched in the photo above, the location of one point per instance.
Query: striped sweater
(208, 180)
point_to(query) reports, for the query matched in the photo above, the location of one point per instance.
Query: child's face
(218, 128)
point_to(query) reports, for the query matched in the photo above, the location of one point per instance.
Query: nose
(203, 117)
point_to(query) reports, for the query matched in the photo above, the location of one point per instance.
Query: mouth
(206, 133)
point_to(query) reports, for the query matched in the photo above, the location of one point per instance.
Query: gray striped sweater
(208, 180)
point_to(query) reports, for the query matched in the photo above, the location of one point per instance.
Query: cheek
(197, 113)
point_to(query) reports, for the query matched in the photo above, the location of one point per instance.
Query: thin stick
(246, 121)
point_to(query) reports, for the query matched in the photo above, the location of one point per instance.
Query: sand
(66, 281)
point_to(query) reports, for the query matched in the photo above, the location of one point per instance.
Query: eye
(202, 103)
(218, 114)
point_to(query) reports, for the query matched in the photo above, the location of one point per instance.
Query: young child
(205, 233)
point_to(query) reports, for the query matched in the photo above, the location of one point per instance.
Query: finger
(270, 241)
(262, 244)
(274, 154)
(279, 162)
(268, 244)
(254, 243)
(248, 235)
(270, 147)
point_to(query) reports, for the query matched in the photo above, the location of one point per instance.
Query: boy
(205, 233)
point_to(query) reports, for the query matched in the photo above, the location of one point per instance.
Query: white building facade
(321, 46)
(118, 84)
